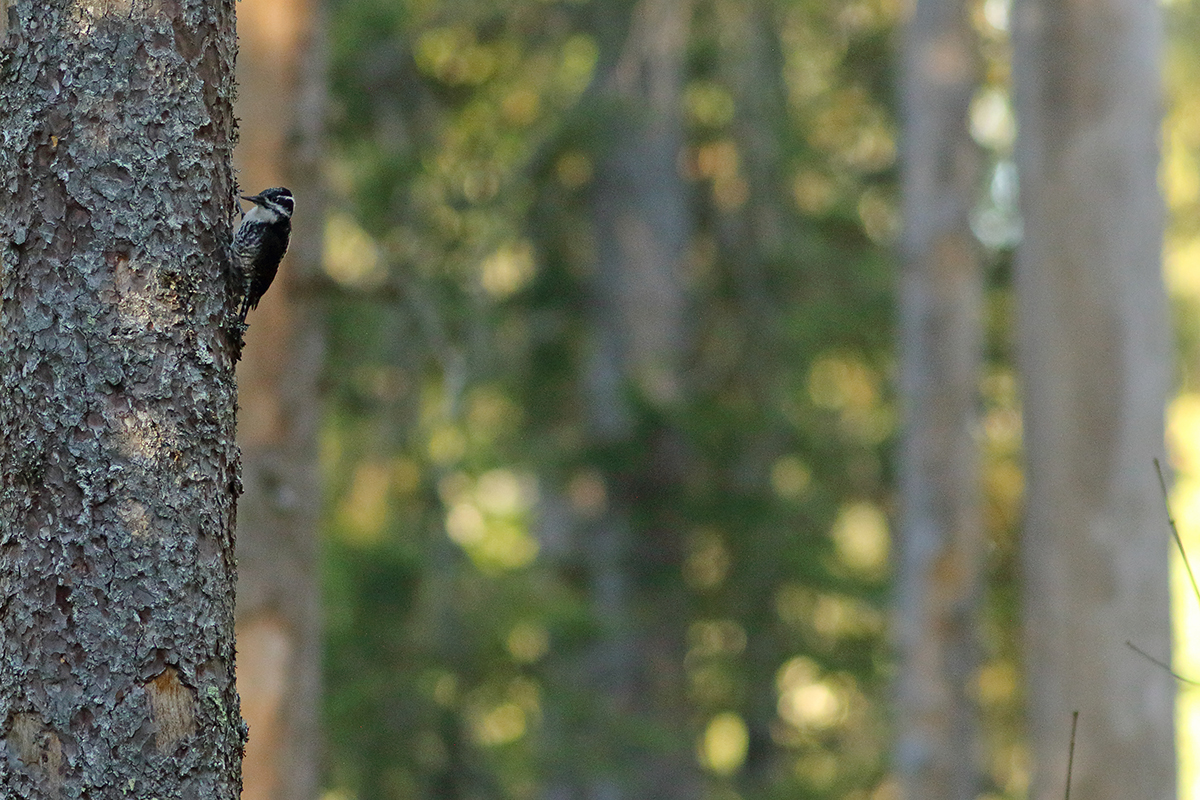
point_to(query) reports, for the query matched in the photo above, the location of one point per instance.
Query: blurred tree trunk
(751, 231)
(639, 339)
(939, 575)
(281, 107)
(1095, 358)
(117, 464)
(638, 302)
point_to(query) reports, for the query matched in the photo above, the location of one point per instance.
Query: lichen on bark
(118, 471)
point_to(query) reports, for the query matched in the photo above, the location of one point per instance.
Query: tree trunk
(641, 227)
(281, 107)
(939, 577)
(632, 554)
(118, 471)
(1095, 360)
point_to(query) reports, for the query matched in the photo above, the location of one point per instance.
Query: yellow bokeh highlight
(708, 560)
(860, 535)
(1181, 182)
(465, 524)
(499, 715)
(806, 701)
(504, 492)
(993, 123)
(725, 743)
(844, 383)
(579, 55)
(351, 256)
(490, 516)
(498, 725)
(837, 381)
(1183, 436)
(508, 270)
(527, 642)
(454, 56)
(1181, 266)
(837, 616)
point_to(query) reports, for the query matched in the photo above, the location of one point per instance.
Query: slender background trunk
(1095, 359)
(632, 554)
(117, 465)
(641, 229)
(281, 108)
(939, 573)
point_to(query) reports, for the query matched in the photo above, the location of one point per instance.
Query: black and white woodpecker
(260, 242)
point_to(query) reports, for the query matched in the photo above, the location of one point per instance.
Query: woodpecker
(259, 244)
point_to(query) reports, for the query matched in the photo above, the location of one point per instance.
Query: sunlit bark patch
(173, 708)
(37, 746)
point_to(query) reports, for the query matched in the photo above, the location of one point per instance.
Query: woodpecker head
(271, 205)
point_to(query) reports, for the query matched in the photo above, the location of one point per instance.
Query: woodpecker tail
(245, 308)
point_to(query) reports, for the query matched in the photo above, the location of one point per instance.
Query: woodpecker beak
(256, 199)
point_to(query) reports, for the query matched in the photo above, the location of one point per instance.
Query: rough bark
(939, 575)
(118, 471)
(1095, 358)
(280, 105)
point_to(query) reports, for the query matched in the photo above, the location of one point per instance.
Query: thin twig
(1162, 483)
(1162, 664)
(1071, 753)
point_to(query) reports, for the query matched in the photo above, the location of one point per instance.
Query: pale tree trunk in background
(641, 226)
(639, 341)
(280, 105)
(118, 469)
(939, 575)
(1095, 358)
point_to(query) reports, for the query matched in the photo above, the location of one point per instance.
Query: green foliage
(468, 137)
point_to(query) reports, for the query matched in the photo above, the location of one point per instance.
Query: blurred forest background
(573, 445)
